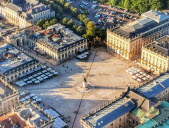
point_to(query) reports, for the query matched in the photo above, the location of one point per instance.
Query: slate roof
(109, 113)
(10, 64)
(147, 21)
(13, 7)
(161, 46)
(39, 8)
(154, 87)
(155, 15)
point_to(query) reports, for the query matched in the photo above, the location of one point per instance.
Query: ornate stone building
(9, 98)
(18, 38)
(155, 56)
(24, 13)
(114, 115)
(127, 41)
(58, 42)
(14, 63)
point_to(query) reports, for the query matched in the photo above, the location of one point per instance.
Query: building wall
(130, 49)
(153, 61)
(118, 45)
(72, 50)
(14, 74)
(133, 121)
(63, 54)
(121, 122)
(163, 96)
(9, 103)
(18, 39)
(20, 21)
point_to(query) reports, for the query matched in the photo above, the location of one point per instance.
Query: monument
(85, 86)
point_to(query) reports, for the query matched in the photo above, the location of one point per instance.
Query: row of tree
(69, 23)
(140, 6)
(61, 6)
(46, 23)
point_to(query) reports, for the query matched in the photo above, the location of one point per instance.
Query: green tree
(70, 23)
(127, 4)
(53, 21)
(67, 6)
(90, 29)
(65, 20)
(79, 29)
(39, 23)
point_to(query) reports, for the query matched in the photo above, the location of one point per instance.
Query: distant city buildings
(24, 13)
(58, 42)
(127, 41)
(14, 63)
(155, 56)
(28, 116)
(144, 107)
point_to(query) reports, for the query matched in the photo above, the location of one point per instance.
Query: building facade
(14, 63)
(58, 42)
(114, 115)
(127, 41)
(155, 56)
(25, 13)
(9, 99)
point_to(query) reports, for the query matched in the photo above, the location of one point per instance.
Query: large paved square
(105, 72)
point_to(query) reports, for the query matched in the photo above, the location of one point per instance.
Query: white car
(35, 97)
(37, 101)
(22, 100)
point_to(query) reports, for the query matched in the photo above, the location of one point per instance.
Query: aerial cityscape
(84, 64)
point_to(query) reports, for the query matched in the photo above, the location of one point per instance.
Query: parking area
(104, 71)
(104, 15)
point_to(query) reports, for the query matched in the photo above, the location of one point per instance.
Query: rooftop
(11, 58)
(160, 117)
(155, 15)
(154, 87)
(13, 120)
(161, 46)
(147, 21)
(57, 36)
(58, 122)
(109, 113)
(35, 116)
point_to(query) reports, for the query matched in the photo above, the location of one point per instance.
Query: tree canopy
(140, 6)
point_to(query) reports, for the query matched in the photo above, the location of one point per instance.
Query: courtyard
(104, 71)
